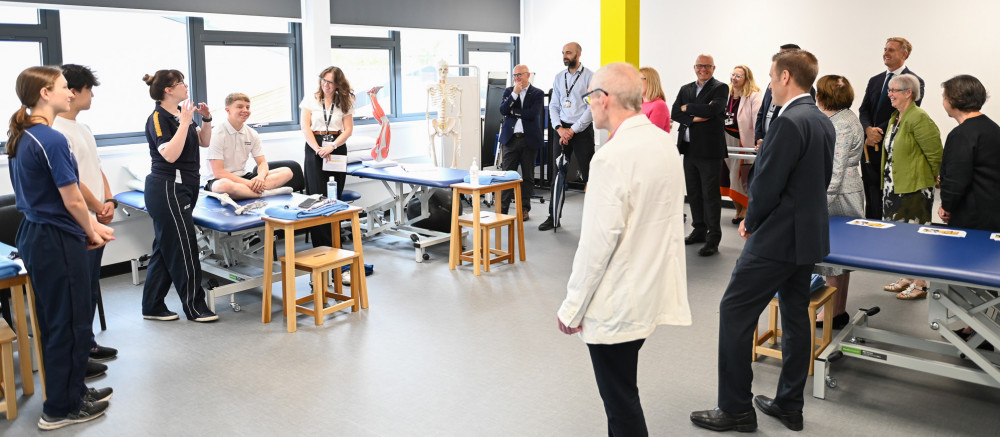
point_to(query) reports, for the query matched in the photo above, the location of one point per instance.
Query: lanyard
(731, 100)
(566, 82)
(322, 102)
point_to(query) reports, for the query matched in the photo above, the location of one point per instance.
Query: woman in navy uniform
(53, 240)
(171, 193)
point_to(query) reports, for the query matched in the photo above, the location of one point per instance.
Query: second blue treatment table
(963, 275)
(230, 245)
(389, 216)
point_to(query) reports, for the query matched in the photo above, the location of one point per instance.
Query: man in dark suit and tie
(874, 114)
(787, 232)
(521, 135)
(700, 109)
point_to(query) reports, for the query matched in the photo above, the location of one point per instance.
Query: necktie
(884, 97)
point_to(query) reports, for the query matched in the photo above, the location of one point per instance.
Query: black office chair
(10, 220)
(298, 181)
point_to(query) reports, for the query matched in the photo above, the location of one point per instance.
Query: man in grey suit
(787, 232)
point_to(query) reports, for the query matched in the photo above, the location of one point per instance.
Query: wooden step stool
(490, 221)
(320, 261)
(819, 298)
(7, 384)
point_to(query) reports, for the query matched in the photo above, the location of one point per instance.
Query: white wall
(846, 36)
(548, 25)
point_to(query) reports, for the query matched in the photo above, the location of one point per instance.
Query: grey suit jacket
(787, 217)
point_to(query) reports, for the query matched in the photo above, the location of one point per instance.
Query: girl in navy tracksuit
(53, 240)
(171, 193)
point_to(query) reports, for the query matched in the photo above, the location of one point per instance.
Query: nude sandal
(898, 286)
(912, 292)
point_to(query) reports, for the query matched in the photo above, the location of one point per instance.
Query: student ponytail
(29, 87)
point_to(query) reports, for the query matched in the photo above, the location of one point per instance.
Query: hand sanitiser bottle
(331, 188)
(474, 172)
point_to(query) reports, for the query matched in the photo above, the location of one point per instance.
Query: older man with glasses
(521, 135)
(700, 109)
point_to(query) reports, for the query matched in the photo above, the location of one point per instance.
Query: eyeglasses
(326, 82)
(703, 66)
(178, 83)
(736, 76)
(897, 90)
(588, 99)
(517, 75)
(642, 79)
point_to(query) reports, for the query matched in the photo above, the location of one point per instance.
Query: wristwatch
(113, 201)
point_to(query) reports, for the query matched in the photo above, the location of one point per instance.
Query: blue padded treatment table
(225, 240)
(419, 181)
(962, 275)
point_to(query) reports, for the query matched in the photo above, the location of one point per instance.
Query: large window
(24, 54)
(364, 69)
(422, 49)
(18, 15)
(259, 72)
(122, 102)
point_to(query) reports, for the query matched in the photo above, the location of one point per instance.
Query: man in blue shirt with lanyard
(571, 117)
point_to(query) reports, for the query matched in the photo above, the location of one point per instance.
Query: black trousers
(517, 153)
(56, 261)
(175, 249)
(871, 176)
(702, 178)
(751, 288)
(94, 264)
(615, 367)
(316, 179)
(582, 144)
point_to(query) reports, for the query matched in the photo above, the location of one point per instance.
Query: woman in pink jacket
(741, 113)
(653, 105)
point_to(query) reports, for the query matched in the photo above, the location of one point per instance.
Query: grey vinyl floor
(445, 353)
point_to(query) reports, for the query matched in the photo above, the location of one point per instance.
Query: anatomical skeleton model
(381, 149)
(443, 96)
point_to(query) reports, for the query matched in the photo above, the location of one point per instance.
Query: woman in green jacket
(911, 158)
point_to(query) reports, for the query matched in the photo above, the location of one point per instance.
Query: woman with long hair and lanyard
(53, 240)
(171, 193)
(327, 123)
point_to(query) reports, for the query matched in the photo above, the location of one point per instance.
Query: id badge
(328, 140)
(729, 121)
(567, 103)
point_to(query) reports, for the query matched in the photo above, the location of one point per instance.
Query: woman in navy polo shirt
(171, 193)
(53, 240)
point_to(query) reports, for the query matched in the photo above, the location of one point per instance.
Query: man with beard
(571, 117)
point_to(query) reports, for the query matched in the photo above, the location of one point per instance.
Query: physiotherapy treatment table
(227, 245)
(961, 272)
(420, 181)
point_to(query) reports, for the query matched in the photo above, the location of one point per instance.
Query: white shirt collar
(232, 130)
(789, 102)
(897, 71)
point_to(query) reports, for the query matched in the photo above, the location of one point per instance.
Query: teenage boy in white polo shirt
(232, 143)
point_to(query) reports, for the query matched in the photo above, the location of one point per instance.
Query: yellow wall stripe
(620, 31)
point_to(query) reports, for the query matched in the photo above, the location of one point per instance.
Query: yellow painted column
(620, 31)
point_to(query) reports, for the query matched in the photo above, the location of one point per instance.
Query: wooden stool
(490, 221)
(320, 261)
(9, 402)
(819, 298)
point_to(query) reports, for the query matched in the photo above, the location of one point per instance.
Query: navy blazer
(529, 112)
(873, 92)
(708, 138)
(787, 217)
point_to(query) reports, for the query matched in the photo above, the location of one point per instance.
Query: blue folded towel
(8, 268)
(509, 175)
(287, 212)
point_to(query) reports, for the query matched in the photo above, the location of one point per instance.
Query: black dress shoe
(718, 420)
(709, 249)
(791, 419)
(737, 220)
(94, 370)
(546, 225)
(695, 237)
(839, 321)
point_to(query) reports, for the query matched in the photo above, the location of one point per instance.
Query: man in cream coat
(629, 271)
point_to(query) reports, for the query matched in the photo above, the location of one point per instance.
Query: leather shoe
(791, 419)
(695, 237)
(718, 420)
(709, 249)
(546, 225)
